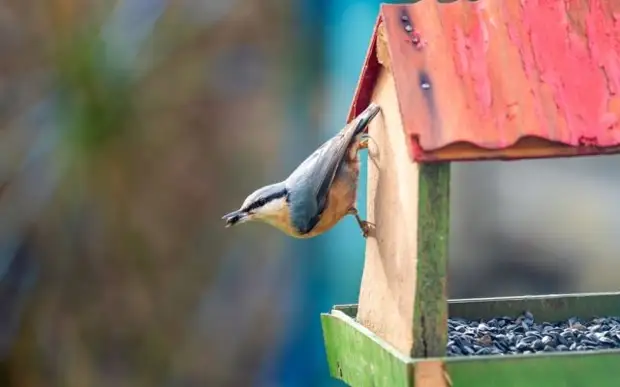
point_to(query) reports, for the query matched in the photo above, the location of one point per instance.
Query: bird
(319, 192)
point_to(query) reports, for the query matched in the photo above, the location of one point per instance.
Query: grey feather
(309, 184)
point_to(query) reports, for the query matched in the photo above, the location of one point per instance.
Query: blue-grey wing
(303, 211)
(310, 183)
(313, 179)
(335, 150)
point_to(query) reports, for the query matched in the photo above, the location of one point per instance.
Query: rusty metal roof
(500, 79)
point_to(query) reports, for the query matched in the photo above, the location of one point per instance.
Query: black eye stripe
(259, 203)
(264, 200)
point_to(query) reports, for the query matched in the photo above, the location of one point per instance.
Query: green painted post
(431, 306)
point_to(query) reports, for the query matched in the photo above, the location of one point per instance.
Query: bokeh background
(128, 128)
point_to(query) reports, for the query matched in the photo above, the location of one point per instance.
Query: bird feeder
(470, 81)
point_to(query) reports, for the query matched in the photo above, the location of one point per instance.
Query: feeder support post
(403, 290)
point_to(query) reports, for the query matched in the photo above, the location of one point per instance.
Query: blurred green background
(128, 128)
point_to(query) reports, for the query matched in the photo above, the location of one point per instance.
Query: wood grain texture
(501, 79)
(387, 290)
(403, 288)
(430, 373)
(431, 307)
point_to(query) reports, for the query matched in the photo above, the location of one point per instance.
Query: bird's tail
(361, 121)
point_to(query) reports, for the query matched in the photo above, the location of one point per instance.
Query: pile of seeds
(523, 335)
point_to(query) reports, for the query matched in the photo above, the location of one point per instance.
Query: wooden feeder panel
(408, 203)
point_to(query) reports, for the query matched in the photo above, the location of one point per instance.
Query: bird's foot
(366, 227)
(364, 138)
(364, 144)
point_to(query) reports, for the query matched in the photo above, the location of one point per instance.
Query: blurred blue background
(128, 128)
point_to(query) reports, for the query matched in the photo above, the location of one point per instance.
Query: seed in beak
(233, 218)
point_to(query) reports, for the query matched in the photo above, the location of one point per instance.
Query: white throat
(274, 208)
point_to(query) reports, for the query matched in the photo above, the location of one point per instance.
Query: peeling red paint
(512, 110)
(505, 71)
(604, 44)
(588, 141)
(476, 42)
(609, 120)
(460, 59)
(470, 45)
(567, 62)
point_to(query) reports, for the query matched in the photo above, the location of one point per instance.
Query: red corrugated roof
(489, 75)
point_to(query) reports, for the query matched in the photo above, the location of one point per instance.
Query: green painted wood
(430, 309)
(600, 369)
(548, 307)
(359, 358)
(554, 307)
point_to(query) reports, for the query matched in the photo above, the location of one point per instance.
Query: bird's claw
(364, 144)
(365, 226)
(364, 138)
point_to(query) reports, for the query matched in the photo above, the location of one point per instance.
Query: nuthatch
(319, 192)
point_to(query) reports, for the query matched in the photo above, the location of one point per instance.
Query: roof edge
(369, 74)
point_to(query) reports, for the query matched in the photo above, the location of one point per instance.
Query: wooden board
(548, 307)
(595, 369)
(360, 358)
(554, 307)
(403, 289)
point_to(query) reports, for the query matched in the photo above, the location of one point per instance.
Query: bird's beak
(235, 217)
(364, 118)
